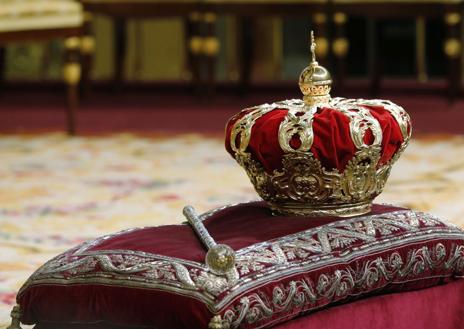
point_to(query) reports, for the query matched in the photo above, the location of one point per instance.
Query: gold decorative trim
(316, 90)
(210, 18)
(210, 46)
(88, 17)
(320, 18)
(195, 45)
(195, 16)
(452, 47)
(340, 47)
(452, 18)
(315, 80)
(321, 211)
(72, 43)
(72, 73)
(87, 45)
(322, 47)
(340, 18)
(303, 186)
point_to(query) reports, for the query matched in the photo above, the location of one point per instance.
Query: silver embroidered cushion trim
(258, 264)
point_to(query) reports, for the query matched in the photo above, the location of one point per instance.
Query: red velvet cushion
(155, 277)
(431, 308)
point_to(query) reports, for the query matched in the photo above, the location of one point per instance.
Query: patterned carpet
(56, 192)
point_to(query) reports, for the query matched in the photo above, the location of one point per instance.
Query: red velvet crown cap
(332, 145)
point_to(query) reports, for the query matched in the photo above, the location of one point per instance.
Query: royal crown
(319, 156)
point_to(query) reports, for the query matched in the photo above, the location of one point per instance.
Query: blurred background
(112, 112)
(192, 56)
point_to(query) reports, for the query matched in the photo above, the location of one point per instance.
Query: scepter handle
(199, 228)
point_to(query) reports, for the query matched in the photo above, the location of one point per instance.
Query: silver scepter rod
(220, 258)
(199, 228)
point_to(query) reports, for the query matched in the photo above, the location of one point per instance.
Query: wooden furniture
(375, 11)
(39, 20)
(122, 10)
(246, 11)
(202, 46)
(329, 18)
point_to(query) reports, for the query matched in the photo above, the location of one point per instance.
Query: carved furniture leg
(195, 43)
(452, 48)
(322, 50)
(187, 70)
(421, 60)
(210, 50)
(373, 56)
(120, 50)
(72, 75)
(245, 26)
(2, 66)
(87, 53)
(340, 47)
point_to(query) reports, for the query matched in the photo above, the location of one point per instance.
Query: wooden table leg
(452, 49)
(190, 67)
(120, 51)
(194, 42)
(374, 56)
(72, 76)
(211, 48)
(321, 33)
(245, 27)
(87, 54)
(421, 49)
(340, 48)
(2, 66)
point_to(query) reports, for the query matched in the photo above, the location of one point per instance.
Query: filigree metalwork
(298, 253)
(302, 186)
(398, 112)
(297, 123)
(246, 119)
(306, 293)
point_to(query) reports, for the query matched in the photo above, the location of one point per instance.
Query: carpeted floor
(56, 192)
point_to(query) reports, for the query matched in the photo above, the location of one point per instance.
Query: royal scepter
(220, 258)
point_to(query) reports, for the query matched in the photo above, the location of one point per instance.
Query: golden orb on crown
(315, 80)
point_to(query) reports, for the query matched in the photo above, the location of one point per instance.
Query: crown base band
(337, 210)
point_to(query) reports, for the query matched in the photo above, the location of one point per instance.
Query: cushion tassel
(15, 315)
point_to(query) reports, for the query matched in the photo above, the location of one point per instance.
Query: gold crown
(300, 184)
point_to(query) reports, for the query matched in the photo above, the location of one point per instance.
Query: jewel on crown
(319, 156)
